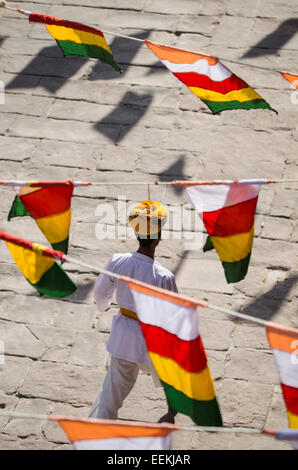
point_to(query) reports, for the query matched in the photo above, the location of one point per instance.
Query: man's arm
(104, 289)
(169, 283)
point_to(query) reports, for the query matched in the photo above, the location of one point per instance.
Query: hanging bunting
(170, 328)
(39, 267)
(76, 38)
(228, 211)
(210, 80)
(283, 342)
(50, 207)
(291, 78)
(114, 435)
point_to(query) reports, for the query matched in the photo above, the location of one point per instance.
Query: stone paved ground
(78, 119)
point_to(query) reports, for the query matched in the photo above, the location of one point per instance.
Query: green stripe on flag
(88, 50)
(61, 246)
(208, 245)
(218, 106)
(17, 209)
(236, 271)
(203, 413)
(55, 283)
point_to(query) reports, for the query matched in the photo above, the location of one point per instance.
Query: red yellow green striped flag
(170, 327)
(227, 210)
(210, 80)
(284, 345)
(100, 434)
(37, 264)
(77, 39)
(49, 203)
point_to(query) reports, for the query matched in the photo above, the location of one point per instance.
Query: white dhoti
(118, 382)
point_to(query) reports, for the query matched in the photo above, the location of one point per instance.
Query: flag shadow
(126, 115)
(272, 43)
(267, 305)
(82, 292)
(126, 49)
(51, 64)
(174, 171)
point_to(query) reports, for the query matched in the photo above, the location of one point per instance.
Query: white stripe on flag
(209, 198)
(128, 443)
(287, 365)
(177, 319)
(217, 72)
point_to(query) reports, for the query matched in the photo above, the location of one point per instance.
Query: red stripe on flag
(52, 20)
(291, 398)
(30, 246)
(231, 220)
(192, 79)
(190, 355)
(48, 201)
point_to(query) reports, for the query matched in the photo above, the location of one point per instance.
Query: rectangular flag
(170, 327)
(76, 38)
(40, 270)
(50, 207)
(284, 345)
(210, 80)
(95, 434)
(228, 211)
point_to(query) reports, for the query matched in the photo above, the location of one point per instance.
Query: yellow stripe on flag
(61, 33)
(242, 95)
(32, 265)
(197, 385)
(293, 420)
(234, 247)
(55, 227)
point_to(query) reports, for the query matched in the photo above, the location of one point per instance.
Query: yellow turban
(147, 218)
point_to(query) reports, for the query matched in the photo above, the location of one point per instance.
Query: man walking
(126, 343)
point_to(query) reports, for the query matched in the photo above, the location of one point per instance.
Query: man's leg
(119, 380)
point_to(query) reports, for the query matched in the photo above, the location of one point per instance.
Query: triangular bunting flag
(114, 435)
(284, 344)
(76, 38)
(50, 207)
(41, 271)
(210, 80)
(170, 328)
(228, 211)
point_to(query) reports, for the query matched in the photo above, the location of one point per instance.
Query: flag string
(3, 4)
(178, 427)
(60, 256)
(15, 183)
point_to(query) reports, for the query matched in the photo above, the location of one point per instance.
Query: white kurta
(126, 339)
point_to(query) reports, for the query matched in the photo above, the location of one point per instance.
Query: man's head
(147, 219)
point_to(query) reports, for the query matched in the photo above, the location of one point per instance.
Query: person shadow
(272, 43)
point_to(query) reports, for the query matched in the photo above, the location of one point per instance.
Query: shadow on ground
(272, 43)
(267, 305)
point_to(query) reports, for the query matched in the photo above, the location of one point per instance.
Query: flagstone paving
(73, 118)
